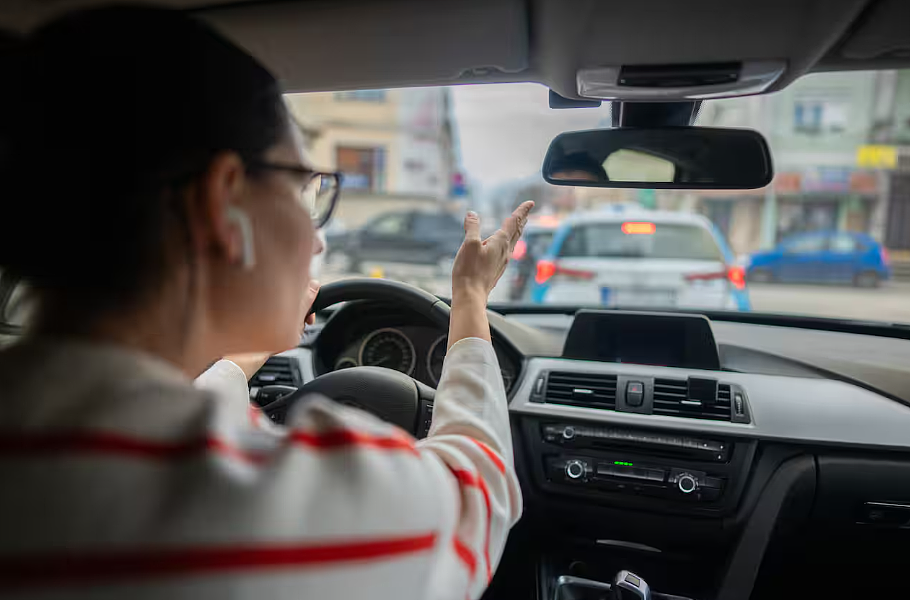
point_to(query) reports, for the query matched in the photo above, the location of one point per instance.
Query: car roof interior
(398, 43)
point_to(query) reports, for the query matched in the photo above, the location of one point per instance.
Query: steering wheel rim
(388, 394)
(362, 288)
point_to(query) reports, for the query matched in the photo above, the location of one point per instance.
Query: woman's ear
(221, 226)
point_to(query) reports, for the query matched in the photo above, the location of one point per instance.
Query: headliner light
(632, 228)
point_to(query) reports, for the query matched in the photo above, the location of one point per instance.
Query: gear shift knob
(629, 586)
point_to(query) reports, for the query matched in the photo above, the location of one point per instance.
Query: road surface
(890, 302)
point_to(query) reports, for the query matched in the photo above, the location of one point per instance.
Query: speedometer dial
(388, 348)
(435, 357)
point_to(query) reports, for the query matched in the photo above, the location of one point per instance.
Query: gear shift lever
(629, 586)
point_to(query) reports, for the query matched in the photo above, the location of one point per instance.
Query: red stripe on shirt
(253, 413)
(470, 479)
(80, 567)
(347, 437)
(99, 442)
(497, 460)
(466, 556)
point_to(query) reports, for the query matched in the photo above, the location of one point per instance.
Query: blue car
(823, 257)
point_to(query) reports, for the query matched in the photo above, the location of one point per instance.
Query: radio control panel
(647, 469)
(645, 479)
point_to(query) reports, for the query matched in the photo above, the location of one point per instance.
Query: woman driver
(153, 203)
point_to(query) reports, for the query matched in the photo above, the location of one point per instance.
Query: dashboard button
(686, 483)
(635, 393)
(575, 469)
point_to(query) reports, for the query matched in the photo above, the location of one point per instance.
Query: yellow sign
(877, 157)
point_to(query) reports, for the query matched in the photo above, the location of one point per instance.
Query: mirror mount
(654, 114)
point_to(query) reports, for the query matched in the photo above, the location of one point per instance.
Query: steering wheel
(390, 395)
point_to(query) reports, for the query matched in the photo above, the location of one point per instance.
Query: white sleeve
(226, 381)
(471, 435)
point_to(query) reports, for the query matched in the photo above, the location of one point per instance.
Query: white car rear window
(673, 241)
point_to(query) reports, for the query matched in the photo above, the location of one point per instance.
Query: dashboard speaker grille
(671, 398)
(579, 389)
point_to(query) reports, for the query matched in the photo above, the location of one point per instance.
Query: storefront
(837, 199)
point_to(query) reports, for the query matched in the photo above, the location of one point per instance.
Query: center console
(623, 475)
(650, 470)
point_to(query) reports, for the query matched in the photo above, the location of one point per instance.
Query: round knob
(687, 483)
(575, 469)
(568, 433)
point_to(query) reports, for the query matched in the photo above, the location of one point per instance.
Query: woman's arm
(478, 267)
(470, 433)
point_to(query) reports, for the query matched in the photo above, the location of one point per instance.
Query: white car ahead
(640, 259)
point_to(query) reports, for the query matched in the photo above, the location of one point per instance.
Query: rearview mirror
(660, 157)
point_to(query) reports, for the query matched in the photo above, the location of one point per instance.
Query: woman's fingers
(515, 224)
(308, 298)
(471, 226)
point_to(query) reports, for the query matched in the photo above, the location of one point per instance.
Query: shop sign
(826, 179)
(875, 156)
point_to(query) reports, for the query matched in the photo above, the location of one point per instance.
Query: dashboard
(624, 442)
(396, 340)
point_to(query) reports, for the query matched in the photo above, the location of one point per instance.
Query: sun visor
(884, 32)
(317, 46)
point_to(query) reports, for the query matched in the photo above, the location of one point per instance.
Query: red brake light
(886, 258)
(545, 270)
(737, 277)
(630, 228)
(521, 248)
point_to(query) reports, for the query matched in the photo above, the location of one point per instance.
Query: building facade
(394, 147)
(819, 129)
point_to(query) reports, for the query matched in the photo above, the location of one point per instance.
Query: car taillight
(736, 275)
(547, 269)
(886, 258)
(521, 248)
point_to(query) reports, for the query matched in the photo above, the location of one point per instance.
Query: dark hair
(107, 114)
(579, 161)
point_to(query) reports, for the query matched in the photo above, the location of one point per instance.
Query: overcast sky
(505, 129)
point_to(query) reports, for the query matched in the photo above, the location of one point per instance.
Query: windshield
(829, 237)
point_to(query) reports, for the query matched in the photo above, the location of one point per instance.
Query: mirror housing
(695, 158)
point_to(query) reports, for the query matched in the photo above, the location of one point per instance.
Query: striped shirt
(122, 479)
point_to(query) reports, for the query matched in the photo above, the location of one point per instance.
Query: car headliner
(363, 44)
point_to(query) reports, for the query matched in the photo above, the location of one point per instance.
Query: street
(890, 302)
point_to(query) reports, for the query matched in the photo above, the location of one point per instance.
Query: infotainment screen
(668, 340)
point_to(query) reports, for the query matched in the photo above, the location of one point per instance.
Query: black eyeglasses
(319, 193)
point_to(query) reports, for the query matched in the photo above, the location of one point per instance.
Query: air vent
(579, 389)
(671, 398)
(277, 370)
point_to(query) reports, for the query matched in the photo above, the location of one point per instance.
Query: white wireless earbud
(242, 221)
